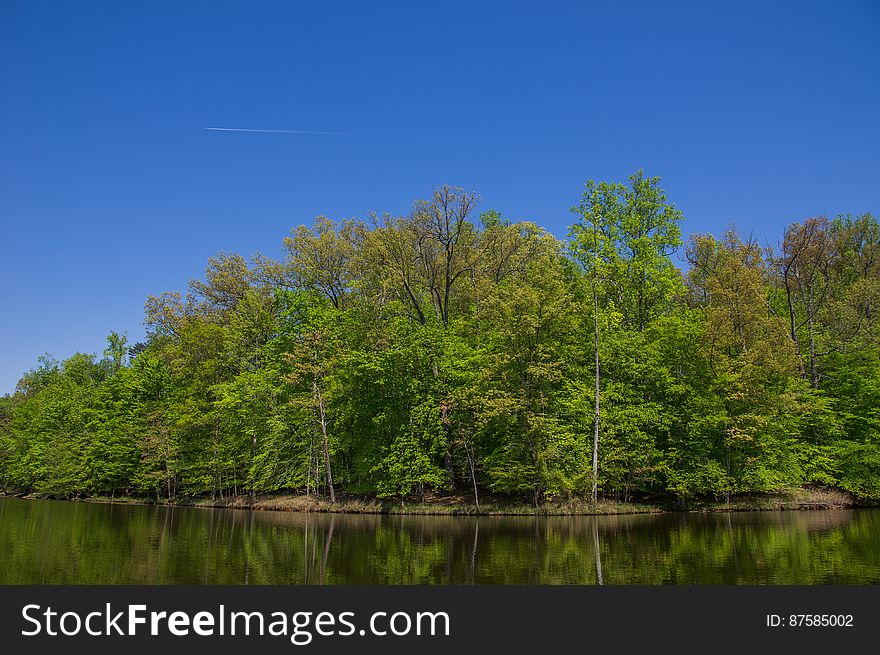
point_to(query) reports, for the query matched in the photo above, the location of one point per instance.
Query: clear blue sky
(111, 188)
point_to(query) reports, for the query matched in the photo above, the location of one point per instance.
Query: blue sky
(111, 188)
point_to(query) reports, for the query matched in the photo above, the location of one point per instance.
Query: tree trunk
(447, 463)
(727, 490)
(447, 456)
(168, 480)
(792, 326)
(814, 369)
(324, 444)
(472, 465)
(447, 432)
(253, 481)
(309, 463)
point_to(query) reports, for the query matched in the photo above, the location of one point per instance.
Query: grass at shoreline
(797, 499)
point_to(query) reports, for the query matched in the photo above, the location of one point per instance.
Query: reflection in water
(63, 542)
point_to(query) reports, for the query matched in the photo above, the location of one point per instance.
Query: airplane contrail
(248, 129)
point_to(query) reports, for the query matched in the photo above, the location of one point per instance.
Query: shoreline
(795, 500)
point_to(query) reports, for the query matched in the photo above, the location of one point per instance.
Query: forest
(452, 350)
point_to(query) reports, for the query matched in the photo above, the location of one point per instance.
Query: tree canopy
(447, 350)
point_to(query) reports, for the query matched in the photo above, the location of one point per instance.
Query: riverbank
(797, 499)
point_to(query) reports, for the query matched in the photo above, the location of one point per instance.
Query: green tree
(623, 239)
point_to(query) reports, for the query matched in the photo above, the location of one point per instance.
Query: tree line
(451, 350)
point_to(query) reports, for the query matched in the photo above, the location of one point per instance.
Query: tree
(251, 394)
(623, 239)
(323, 258)
(750, 355)
(116, 350)
(412, 355)
(227, 279)
(316, 346)
(806, 265)
(528, 325)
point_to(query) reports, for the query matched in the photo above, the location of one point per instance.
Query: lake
(59, 542)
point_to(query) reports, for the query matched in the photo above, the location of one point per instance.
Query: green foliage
(426, 353)
(858, 468)
(408, 463)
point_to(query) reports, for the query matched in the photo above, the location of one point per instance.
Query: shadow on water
(56, 542)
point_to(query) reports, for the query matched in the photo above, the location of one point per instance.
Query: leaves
(426, 353)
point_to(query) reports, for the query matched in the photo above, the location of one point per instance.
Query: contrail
(248, 129)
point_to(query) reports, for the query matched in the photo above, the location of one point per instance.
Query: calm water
(62, 542)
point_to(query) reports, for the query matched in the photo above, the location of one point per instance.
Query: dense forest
(453, 350)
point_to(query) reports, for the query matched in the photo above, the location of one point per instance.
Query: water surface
(58, 542)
